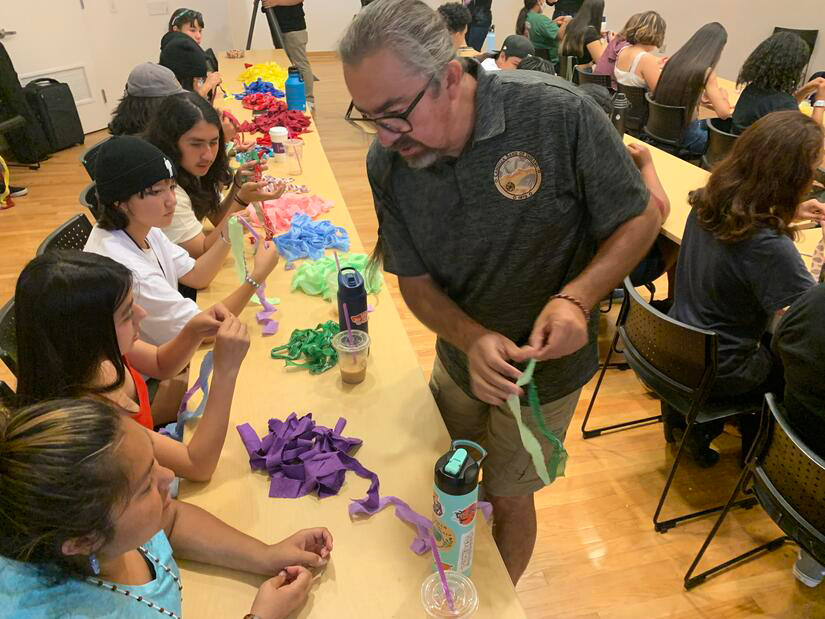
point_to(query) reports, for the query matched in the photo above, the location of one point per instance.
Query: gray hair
(413, 31)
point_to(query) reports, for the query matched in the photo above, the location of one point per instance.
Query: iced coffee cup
(352, 355)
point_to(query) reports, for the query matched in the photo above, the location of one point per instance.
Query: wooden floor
(597, 555)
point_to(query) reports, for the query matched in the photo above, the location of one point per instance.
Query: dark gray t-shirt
(735, 289)
(518, 215)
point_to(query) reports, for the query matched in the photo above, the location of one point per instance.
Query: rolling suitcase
(55, 108)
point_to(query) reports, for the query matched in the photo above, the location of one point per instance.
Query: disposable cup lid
(465, 596)
(360, 341)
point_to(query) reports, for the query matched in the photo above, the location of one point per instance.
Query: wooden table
(372, 573)
(679, 178)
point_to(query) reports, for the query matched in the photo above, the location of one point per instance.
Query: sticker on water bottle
(465, 516)
(438, 508)
(444, 538)
(465, 553)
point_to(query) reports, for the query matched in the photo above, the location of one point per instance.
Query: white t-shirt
(156, 272)
(185, 226)
(489, 64)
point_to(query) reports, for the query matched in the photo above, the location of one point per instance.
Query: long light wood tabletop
(679, 178)
(373, 573)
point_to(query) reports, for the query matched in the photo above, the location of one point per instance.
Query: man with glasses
(508, 208)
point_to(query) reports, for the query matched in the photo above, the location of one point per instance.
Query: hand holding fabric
(491, 375)
(207, 323)
(811, 209)
(231, 345)
(282, 595)
(560, 330)
(307, 547)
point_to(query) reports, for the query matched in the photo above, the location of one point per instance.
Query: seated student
(636, 65)
(771, 76)
(689, 77)
(738, 266)
(800, 344)
(534, 63)
(515, 49)
(188, 131)
(187, 61)
(90, 530)
(135, 188)
(77, 327)
(582, 37)
(146, 88)
(607, 61)
(458, 18)
(189, 22)
(542, 31)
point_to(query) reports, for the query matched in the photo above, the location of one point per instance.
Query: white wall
(747, 21)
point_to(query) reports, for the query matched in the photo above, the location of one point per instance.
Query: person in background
(189, 22)
(738, 267)
(187, 61)
(771, 76)
(146, 88)
(77, 327)
(565, 8)
(90, 528)
(482, 20)
(458, 18)
(534, 63)
(636, 65)
(689, 78)
(188, 131)
(513, 52)
(542, 31)
(559, 204)
(136, 196)
(607, 61)
(582, 38)
(292, 21)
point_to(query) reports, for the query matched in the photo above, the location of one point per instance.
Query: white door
(51, 40)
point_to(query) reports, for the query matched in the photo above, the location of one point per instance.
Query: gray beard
(425, 160)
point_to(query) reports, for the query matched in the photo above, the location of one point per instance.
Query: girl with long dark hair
(689, 77)
(90, 528)
(772, 75)
(189, 132)
(582, 37)
(738, 266)
(77, 327)
(542, 31)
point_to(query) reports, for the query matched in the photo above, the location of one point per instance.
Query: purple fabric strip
(264, 317)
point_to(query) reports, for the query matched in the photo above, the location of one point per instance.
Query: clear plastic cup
(352, 356)
(465, 596)
(295, 156)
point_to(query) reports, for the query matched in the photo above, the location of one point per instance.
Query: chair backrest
(8, 336)
(793, 475)
(586, 76)
(88, 198)
(566, 64)
(71, 235)
(666, 123)
(676, 360)
(635, 117)
(88, 158)
(720, 141)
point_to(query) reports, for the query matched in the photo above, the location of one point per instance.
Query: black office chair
(678, 363)
(586, 76)
(636, 116)
(788, 479)
(88, 157)
(8, 337)
(666, 125)
(720, 141)
(88, 198)
(71, 235)
(809, 36)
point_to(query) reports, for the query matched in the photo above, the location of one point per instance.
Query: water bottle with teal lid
(491, 39)
(455, 499)
(296, 96)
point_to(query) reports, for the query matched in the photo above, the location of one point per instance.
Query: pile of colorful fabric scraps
(287, 181)
(308, 239)
(258, 102)
(303, 458)
(259, 87)
(319, 278)
(281, 211)
(314, 345)
(277, 115)
(268, 71)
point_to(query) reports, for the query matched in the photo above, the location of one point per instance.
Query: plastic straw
(337, 263)
(437, 558)
(349, 325)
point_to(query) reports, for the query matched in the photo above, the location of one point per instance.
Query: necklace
(139, 598)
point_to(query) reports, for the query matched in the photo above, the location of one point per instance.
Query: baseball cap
(518, 46)
(152, 80)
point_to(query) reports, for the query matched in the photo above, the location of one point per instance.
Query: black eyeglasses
(398, 123)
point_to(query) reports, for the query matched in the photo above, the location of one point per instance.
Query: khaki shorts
(508, 469)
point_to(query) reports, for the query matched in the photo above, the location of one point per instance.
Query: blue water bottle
(491, 39)
(296, 95)
(455, 501)
(351, 290)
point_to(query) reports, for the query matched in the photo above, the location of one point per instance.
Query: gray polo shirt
(516, 216)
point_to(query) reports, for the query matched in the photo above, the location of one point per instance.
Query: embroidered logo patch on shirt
(517, 175)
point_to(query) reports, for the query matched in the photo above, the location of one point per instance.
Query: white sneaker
(808, 570)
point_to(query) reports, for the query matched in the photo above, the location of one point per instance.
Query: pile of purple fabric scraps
(302, 457)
